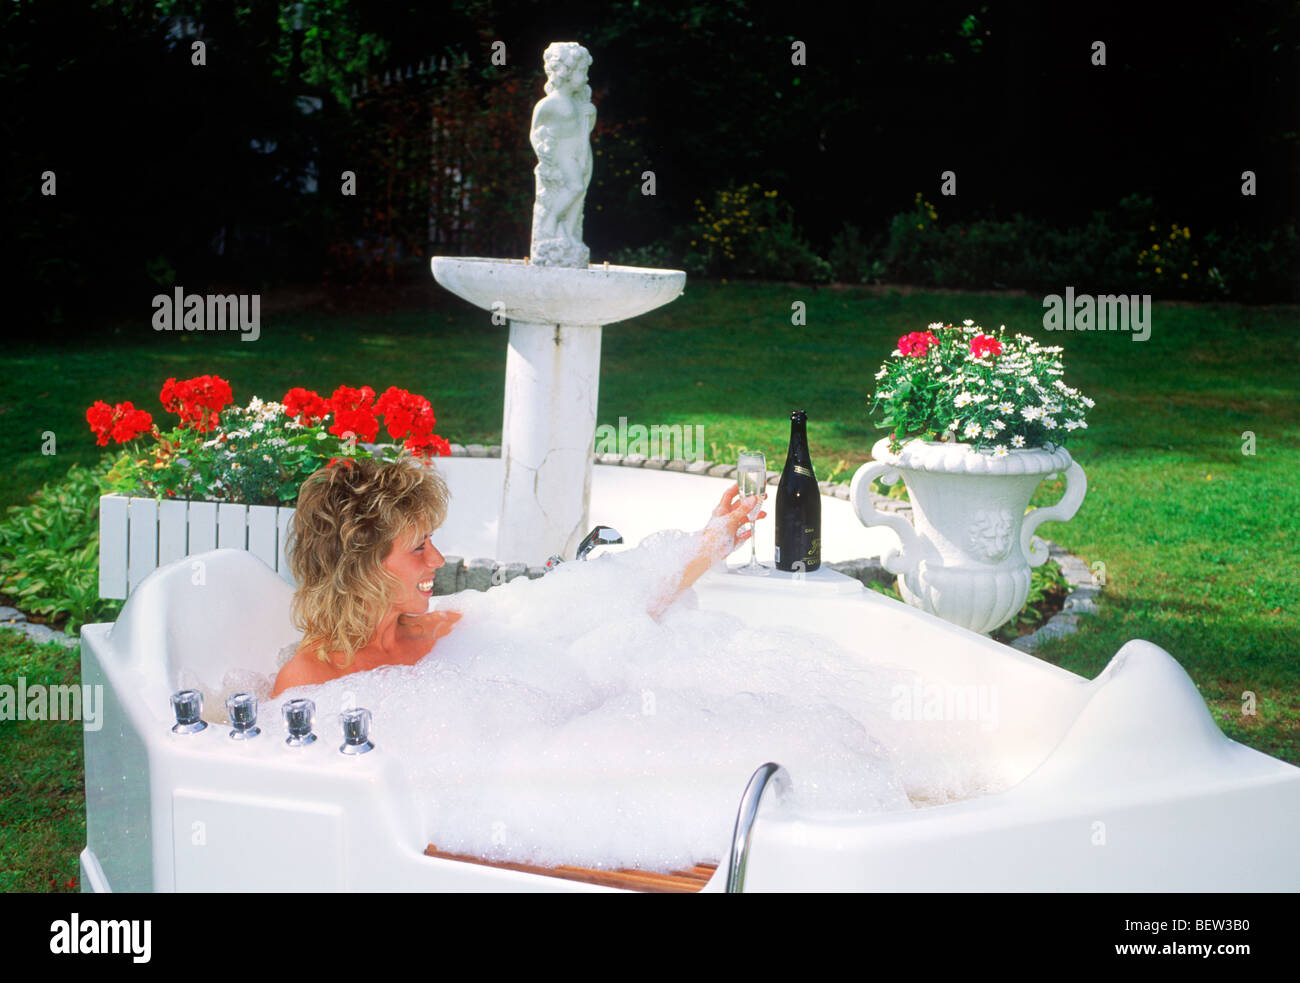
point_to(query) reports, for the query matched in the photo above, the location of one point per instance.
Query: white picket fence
(139, 535)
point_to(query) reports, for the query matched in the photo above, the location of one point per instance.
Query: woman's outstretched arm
(718, 540)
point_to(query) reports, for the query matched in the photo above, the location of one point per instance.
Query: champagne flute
(751, 477)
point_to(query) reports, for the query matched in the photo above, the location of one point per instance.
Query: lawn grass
(42, 776)
(1197, 539)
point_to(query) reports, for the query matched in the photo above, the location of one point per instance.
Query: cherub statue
(560, 135)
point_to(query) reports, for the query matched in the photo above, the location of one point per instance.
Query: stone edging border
(40, 634)
(1083, 598)
(482, 573)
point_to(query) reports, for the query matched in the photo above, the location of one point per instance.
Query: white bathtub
(1122, 783)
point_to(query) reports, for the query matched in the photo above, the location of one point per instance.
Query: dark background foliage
(169, 173)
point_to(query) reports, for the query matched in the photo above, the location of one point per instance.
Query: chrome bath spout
(600, 536)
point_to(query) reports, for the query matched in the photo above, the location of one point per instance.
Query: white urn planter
(968, 554)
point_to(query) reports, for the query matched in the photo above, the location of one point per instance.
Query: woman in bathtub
(362, 555)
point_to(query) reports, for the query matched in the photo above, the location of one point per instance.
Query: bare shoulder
(304, 669)
(435, 624)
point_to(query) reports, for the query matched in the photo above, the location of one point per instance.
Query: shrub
(50, 550)
(748, 232)
(853, 260)
(1117, 250)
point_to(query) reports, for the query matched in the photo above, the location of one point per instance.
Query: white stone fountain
(557, 304)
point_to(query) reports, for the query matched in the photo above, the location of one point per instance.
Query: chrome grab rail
(770, 773)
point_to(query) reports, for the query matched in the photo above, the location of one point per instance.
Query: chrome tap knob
(242, 709)
(188, 707)
(356, 731)
(298, 716)
(553, 562)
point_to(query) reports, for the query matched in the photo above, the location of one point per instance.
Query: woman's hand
(722, 538)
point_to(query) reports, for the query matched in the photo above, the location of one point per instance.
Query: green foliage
(853, 260)
(1249, 267)
(890, 590)
(49, 551)
(1120, 248)
(986, 390)
(897, 490)
(654, 256)
(749, 232)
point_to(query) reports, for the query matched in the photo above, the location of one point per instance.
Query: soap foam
(559, 723)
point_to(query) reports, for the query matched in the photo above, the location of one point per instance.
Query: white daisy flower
(989, 433)
(961, 400)
(968, 322)
(1000, 451)
(1031, 412)
(1018, 441)
(267, 458)
(998, 425)
(1006, 408)
(1071, 424)
(1020, 390)
(981, 397)
(1049, 423)
(954, 425)
(972, 430)
(1088, 403)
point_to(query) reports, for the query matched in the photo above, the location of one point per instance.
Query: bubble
(526, 738)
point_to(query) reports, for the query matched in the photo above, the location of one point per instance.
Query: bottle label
(800, 469)
(778, 554)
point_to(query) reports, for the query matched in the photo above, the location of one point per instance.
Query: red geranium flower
(983, 344)
(405, 413)
(198, 401)
(309, 407)
(122, 422)
(409, 416)
(917, 343)
(354, 413)
(430, 445)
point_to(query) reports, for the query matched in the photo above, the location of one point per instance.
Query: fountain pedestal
(549, 427)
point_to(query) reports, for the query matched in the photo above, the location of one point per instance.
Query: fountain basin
(600, 294)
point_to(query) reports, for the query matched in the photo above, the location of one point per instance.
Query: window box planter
(138, 535)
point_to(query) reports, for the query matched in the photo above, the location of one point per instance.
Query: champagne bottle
(798, 505)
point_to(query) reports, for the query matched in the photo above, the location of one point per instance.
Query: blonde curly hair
(348, 518)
